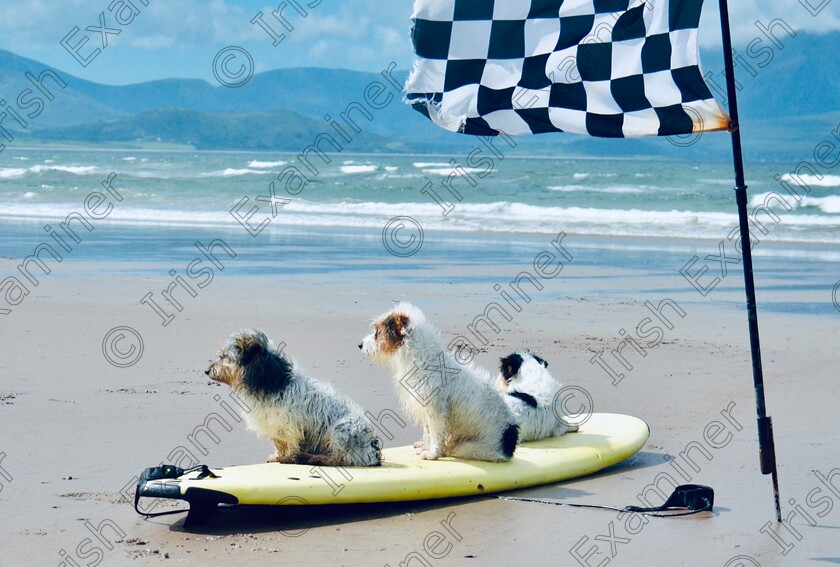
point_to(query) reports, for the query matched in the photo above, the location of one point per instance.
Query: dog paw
(429, 455)
(572, 428)
(419, 444)
(275, 458)
(372, 457)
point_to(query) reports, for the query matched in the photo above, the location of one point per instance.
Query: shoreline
(124, 229)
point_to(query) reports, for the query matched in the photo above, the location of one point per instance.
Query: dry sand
(77, 430)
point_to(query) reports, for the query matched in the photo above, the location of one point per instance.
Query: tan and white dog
(308, 421)
(461, 414)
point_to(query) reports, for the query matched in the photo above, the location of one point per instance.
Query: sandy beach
(82, 415)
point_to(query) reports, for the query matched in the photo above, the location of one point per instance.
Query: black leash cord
(695, 498)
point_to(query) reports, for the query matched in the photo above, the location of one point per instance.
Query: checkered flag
(608, 68)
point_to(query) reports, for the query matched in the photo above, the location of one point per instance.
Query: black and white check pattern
(609, 68)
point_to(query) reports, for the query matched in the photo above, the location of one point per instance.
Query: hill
(788, 97)
(271, 130)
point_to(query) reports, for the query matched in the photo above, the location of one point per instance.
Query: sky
(181, 38)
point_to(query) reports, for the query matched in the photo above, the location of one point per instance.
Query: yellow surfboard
(603, 440)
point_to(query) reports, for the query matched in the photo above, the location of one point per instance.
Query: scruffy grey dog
(309, 421)
(533, 396)
(461, 414)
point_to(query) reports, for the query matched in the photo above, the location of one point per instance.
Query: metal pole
(766, 445)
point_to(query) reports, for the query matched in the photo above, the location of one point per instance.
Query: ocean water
(657, 199)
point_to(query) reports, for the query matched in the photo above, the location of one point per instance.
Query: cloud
(748, 16)
(185, 22)
(320, 49)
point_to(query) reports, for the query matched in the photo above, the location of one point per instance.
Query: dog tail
(509, 440)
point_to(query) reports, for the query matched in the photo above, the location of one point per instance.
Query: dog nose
(360, 346)
(207, 372)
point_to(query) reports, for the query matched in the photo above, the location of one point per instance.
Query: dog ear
(510, 366)
(250, 346)
(398, 326)
(403, 324)
(540, 360)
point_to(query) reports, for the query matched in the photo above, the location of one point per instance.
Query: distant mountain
(274, 130)
(784, 109)
(71, 104)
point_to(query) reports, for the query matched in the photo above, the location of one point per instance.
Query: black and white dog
(533, 396)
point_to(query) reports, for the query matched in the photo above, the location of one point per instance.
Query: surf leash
(686, 500)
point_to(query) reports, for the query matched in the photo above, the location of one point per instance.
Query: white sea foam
(358, 168)
(21, 158)
(782, 202)
(519, 217)
(266, 164)
(813, 180)
(498, 216)
(30, 195)
(400, 176)
(451, 170)
(391, 168)
(580, 175)
(74, 169)
(774, 203)
(830, 204)
(424, 164)
(12, 172)
(233, 172)
(131, 158)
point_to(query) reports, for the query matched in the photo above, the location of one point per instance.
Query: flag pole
(766, 445)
